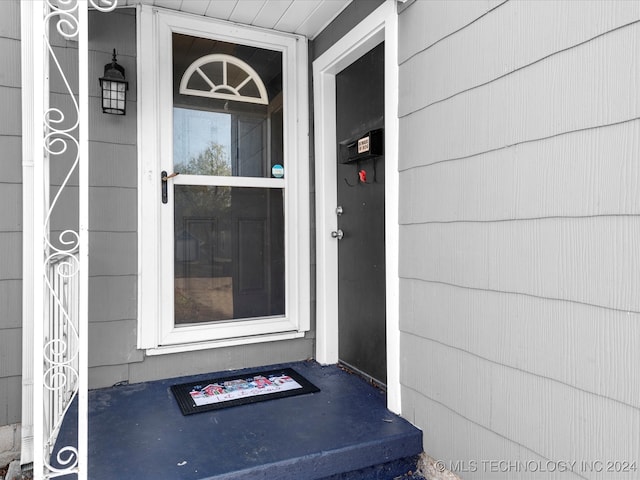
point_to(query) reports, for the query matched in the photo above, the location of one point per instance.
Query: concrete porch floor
(342, 432)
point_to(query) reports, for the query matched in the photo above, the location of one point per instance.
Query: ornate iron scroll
(61, 260)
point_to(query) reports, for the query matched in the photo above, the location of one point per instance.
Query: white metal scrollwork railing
(61, 279)
(61, 342)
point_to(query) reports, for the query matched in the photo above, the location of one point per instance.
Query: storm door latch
(164, 177)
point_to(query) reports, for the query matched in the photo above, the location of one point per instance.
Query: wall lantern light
(114, 88)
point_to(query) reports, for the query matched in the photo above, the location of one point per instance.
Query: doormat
(223, 392)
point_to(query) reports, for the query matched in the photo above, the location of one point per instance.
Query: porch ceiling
(303, 17)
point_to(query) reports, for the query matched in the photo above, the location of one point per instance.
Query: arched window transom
(224, 77)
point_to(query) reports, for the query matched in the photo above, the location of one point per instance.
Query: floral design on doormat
(239, 390)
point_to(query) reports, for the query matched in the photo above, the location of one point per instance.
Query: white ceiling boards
(303, 17)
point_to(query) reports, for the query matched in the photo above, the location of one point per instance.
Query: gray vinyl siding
(112, 196)
(519, 181)
(11, 218)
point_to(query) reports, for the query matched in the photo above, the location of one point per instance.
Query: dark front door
(361, 248)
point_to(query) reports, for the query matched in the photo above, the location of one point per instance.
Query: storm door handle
(164, 177)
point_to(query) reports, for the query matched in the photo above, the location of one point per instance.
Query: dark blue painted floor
(138, 432)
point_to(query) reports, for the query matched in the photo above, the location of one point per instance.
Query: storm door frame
(154, 336)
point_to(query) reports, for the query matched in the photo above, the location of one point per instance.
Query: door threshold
(365, 376)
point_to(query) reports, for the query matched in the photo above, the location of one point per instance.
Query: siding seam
(112, 276)
(112, 320)
(124, 275)
(111, 187)
(453, 33)
(531, 295)
(483, 427)
(522, 67)
(522, 370)
(522, 142)
(524, 219)
(103, 142)
(11, 88)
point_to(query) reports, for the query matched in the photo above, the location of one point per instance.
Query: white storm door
(231, 196)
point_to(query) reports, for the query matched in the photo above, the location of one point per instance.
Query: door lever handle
(164, 177)
(337, 234)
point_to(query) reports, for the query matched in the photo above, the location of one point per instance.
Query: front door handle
(337, 234)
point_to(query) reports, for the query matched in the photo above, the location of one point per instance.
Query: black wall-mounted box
(369, 145)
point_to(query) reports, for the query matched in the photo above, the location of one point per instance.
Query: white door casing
(379, 26)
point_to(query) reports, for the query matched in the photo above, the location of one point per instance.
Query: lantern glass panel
(113, 97)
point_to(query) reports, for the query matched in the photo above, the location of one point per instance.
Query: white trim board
(31, 84)
(381, 25)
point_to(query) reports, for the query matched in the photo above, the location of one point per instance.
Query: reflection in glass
(229, 241)
(201, 142)
(229, 253)
(226, 137)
